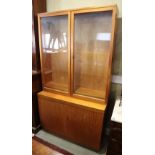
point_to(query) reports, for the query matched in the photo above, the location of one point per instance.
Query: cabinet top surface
(69, 99)
(80, 10)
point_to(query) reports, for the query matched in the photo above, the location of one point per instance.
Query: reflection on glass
(92, 36)
(55, 52)
(103, 36)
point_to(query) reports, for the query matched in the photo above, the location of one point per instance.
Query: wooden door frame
(42, 15)
(71, 14)
(112, 8)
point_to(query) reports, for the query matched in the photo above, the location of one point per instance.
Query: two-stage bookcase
(76, 58)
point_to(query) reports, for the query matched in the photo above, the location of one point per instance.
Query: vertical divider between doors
(72, 52)
(69, 53)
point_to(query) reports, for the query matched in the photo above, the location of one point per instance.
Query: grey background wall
(55, 5)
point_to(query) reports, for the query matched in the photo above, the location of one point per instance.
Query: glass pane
(55, 52)
(92, 36)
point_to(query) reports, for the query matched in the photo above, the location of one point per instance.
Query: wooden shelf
(54, 85)
(90, 92)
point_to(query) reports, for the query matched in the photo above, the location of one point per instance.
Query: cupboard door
(76, 123)
(92, 34)
(55, 52)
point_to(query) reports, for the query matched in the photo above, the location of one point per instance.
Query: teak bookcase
(76, 56)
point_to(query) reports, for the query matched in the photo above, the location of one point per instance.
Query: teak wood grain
(58, 61)
(74, 101)
(77, 113)
(71, 57)
(90, 56)
(74, 122)
(82, 10)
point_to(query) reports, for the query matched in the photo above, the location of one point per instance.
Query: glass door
(92, 35)
(55, 52)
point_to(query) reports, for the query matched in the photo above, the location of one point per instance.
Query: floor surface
(66, 145)
(40, 149)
